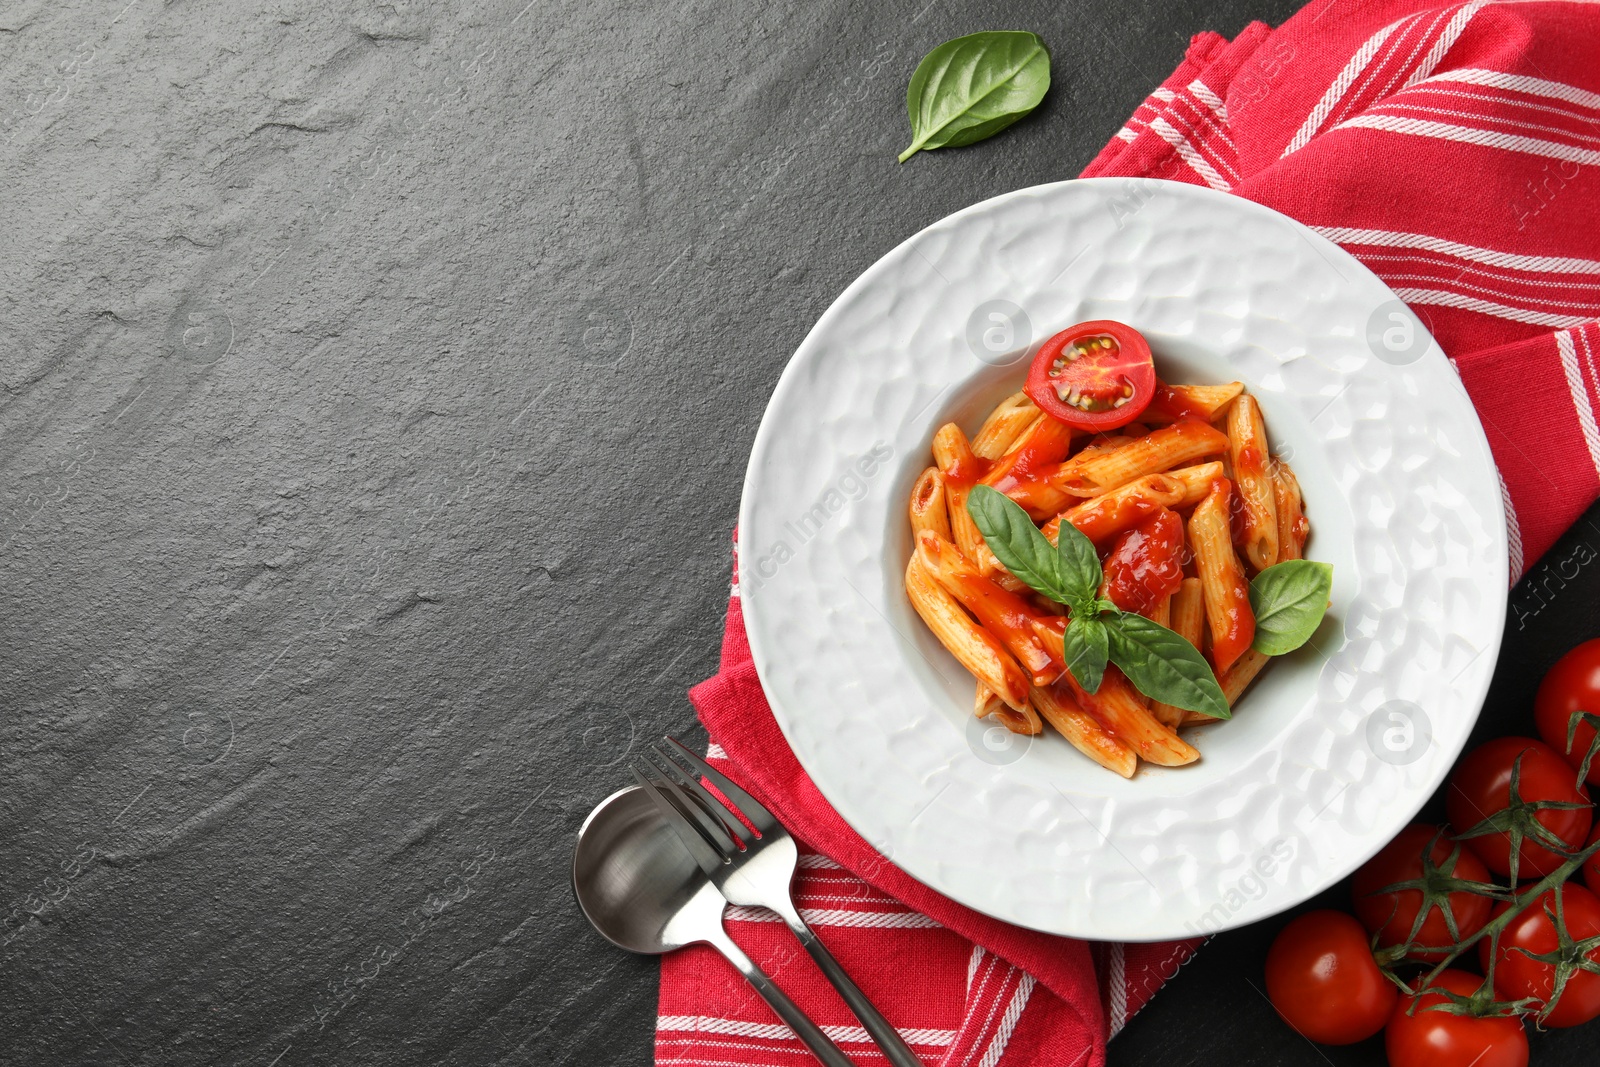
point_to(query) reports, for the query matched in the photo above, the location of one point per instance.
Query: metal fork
(751, 868)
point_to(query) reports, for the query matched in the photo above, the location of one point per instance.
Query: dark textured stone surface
(375, 387)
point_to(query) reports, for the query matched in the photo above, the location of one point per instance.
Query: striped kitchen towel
(1455, 150)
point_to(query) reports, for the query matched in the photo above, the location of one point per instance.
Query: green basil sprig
(1289, 600)
(973, 87)
(1159, 663)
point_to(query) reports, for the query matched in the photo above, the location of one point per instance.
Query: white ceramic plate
(1331, 752)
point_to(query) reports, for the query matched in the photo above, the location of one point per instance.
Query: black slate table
(376, 382)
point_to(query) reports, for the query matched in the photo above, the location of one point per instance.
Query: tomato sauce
(967, 471)
(1046, 445)
(1241, 628)
(1111, 515)
(1145, 565)
(1176, 406)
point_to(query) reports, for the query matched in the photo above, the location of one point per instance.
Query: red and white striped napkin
(1455, 151)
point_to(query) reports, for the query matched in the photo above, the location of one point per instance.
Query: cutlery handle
(819, 1043)
(887, 1037)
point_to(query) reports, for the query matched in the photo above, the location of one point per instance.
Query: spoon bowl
(635, 881)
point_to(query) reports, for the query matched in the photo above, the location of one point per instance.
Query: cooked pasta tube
(1187, 618)
(1158, 450)
(961, 470)
(1004, 425)
(1099, 446)
(973, 647)
(1021, 472)
(1117, 705)
(1247, 456)
(1082, 730)
(1226, 594)
(985, 703)
(930, 510)
(1196, 481)
(1202, 402)
(1003, 614)
(1241, 674)
(1107, 515)
(1292, 524)
(1234, 681)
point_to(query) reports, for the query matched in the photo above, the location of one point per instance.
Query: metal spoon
(644, 892)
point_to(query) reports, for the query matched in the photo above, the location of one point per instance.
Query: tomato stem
(1520, 903)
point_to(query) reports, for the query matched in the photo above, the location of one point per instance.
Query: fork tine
(716, 821)
(704, 799)
(703, 854)
(699, 824)
(759, 816)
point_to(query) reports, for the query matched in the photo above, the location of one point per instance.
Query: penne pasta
(1225, 593)
(1117, 705)
(1082, 730)
(973, 647)
(1099, 446)
(1107, 515)
(1247, 456)
(1158, 450)
(1234, 681)
(1186, 619)
(1020, 473)
(1241, 674)
(1196, 481)
(1182, 503)
(1292, 525)
(961, 470)
(1003, 614)
(1200, 402)
(988, 706)
(1004, 425)
(930, 512)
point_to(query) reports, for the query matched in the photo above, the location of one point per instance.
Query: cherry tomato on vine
(1534, 933)
(1433, 880)
(1572, 687)
(1442, 1039)
(1480, 790)
(1093, 376)
(1322, 979)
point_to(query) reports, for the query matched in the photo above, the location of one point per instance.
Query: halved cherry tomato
(1093, 376)
(1480, 790)
(1572, 688)
(1435, 1038)
(1324, 982)
(1391, 915)
(1146, 564)
(1533, 933)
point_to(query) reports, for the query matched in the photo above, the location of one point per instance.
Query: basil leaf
(1289, 600)
(1163, 666)
(1086, 648)
(1080, 570)
(973, 87)
(1017, 543)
